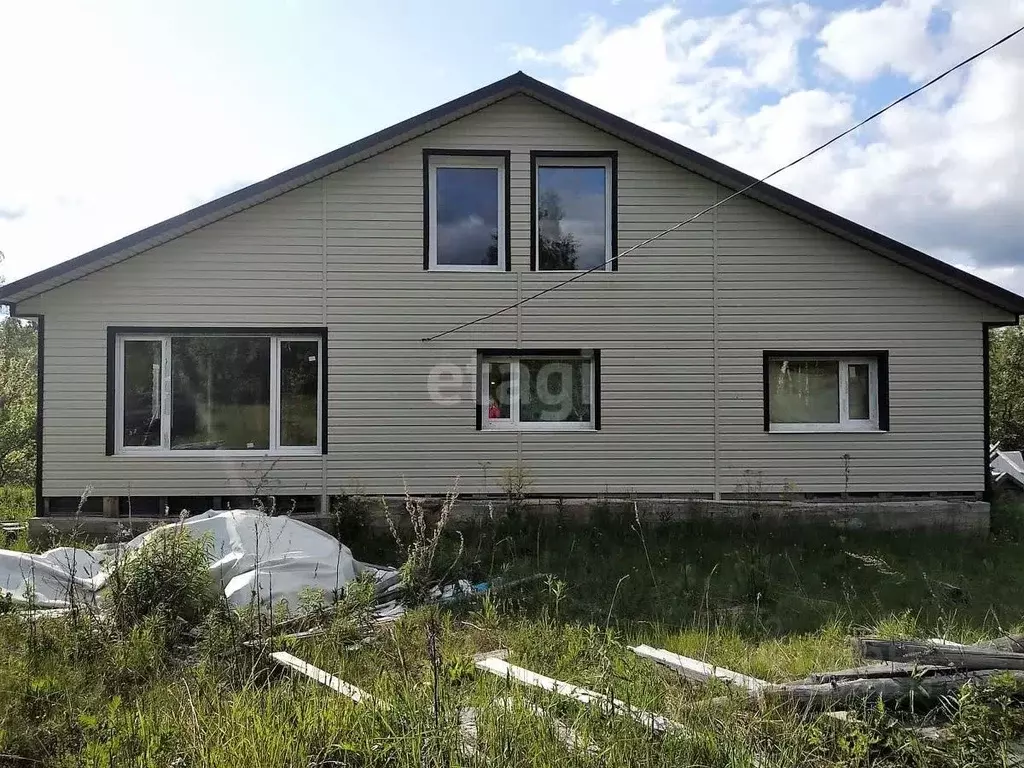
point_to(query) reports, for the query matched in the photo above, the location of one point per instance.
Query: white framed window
(825, 393)
(214, 393)
(540, 390)
(574, 211)
(466, 210)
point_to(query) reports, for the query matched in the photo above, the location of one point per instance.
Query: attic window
(574, 211)
(466, 210)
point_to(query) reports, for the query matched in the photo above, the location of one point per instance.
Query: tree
(557, 250)
(1006, 387)
(17, 401)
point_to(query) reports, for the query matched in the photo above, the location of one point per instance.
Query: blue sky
(119, 114)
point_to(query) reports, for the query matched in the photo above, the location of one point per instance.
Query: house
(273, 340)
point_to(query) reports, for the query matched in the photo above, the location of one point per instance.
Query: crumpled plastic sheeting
(252, 556)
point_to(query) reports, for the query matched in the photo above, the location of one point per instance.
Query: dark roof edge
(241, 196)
(784, 201)
(646, 139)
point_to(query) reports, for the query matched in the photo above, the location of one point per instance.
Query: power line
(737, 193)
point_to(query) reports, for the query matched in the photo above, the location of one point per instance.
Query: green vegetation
(17, 502)
(17, 401)
(776, 604)
(1006, 350)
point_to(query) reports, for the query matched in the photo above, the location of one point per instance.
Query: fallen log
(884, 688)
(882, 669)
(967, 657)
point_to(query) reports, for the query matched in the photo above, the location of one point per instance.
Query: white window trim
(164, 450)
(495, 161)
(575, 162)
(513, 424)
(845, 423)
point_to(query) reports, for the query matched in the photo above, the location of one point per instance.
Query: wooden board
(700, 671)
(502, 668)
(324, 678)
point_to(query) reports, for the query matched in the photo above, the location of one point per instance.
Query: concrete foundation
(967, 517)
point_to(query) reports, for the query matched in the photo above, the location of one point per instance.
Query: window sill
(545, 428)
(500, 268)
(571, 271)
(824, 430)
(238, 454)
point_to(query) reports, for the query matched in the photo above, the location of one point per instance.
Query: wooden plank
(699, 671)
(324, 678)
(564, 733)
(968, 657)
(502, 668)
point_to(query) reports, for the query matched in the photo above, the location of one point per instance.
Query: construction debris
(976, 657)
(496, 665)
(699, 671)
(925, 670)
(324, 678)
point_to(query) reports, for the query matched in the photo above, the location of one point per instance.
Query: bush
(421, 572)
(167, 578)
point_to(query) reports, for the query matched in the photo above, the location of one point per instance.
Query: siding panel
(351, 246)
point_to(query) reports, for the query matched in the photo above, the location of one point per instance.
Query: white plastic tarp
(252, 556)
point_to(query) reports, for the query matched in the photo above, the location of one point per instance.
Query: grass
(17, 502)
(774, 604)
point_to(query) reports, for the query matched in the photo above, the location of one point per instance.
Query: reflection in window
(220, 393)
(804, 392)
(828, 394)
(859, 390)
(300, 374)
(554, 390)
(573, 226)
(142, 387)
(499, 388)
(539, 392)
(466, 211)
(205, 392)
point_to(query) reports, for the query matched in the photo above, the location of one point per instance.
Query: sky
(116, 115)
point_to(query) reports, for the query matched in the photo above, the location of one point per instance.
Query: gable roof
(519, 83)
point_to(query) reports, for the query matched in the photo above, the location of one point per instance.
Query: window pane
(499, 388)
(467, 216)
(143, 375)
(860, 391)
(571, 220)
(554, 390)
(220, 393)
(300, 372)
(804, 392)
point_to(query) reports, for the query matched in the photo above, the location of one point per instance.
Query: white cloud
(759, 87)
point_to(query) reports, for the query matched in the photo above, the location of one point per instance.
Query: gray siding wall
(677, 416)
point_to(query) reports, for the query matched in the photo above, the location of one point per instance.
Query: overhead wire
(737, 193)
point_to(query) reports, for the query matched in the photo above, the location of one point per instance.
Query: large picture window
(542, 390)
(466, 210)
(574, 211)
(217, 391)
(812, 392)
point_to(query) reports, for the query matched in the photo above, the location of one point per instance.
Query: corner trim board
(986, 398)
(40, 371)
